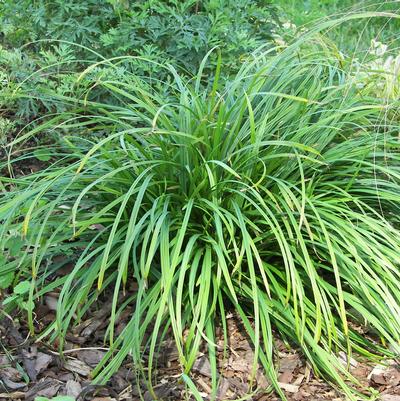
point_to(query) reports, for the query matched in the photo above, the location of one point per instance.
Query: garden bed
(29, 369)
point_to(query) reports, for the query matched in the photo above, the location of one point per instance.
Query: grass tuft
(276, 196)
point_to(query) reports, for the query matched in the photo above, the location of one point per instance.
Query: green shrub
(176, 32)
(173, 30)
(276, 196)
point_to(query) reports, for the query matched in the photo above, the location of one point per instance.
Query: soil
(29, 369)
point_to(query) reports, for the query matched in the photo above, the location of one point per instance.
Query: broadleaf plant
(275, 196)
(54, 36)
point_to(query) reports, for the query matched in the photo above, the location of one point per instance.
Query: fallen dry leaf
(377, 374)
(389, 397)
(239, 385)
(392, 377)
(73, 388)
(265, 397)
(299, 380)
(42, 362)
(29, 359)
(262, 380)
(119, 382)
(44, 388)
(289, 363)
(91, 357)
(13, 396)
(361, 372)
(285, 377)
(10, 373)
(202, 366)
(301, 395)
(204, 385)
(10, 384)
(65, 376)
(239, 365)
(77, 366)
(161, 391)
(290, 388)
(91, 327)
(222, 388)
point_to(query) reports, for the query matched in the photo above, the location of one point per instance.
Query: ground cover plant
(274, 195)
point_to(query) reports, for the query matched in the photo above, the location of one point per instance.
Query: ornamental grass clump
(275, 196)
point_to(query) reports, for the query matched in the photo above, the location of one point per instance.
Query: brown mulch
(29, 369)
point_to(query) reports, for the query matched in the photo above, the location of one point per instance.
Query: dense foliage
(33, 36)
(275, 195)
(185, 175)
(351, 37)
(173, 30)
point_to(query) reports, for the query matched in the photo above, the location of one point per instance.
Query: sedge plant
(275, 196)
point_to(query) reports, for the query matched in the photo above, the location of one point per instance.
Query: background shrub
(172, 30)
(175, 32)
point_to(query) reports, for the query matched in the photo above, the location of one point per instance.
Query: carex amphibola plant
(274, 196)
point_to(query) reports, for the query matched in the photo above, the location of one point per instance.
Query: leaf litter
(29, 369)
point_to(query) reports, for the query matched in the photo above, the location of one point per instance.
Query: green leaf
(22, 288)
(10, 299)
(14, 245)
(43, 155)
(6, 279)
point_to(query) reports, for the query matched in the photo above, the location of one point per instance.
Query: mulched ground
(29, 369)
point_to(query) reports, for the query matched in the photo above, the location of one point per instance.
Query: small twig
(73, 350)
